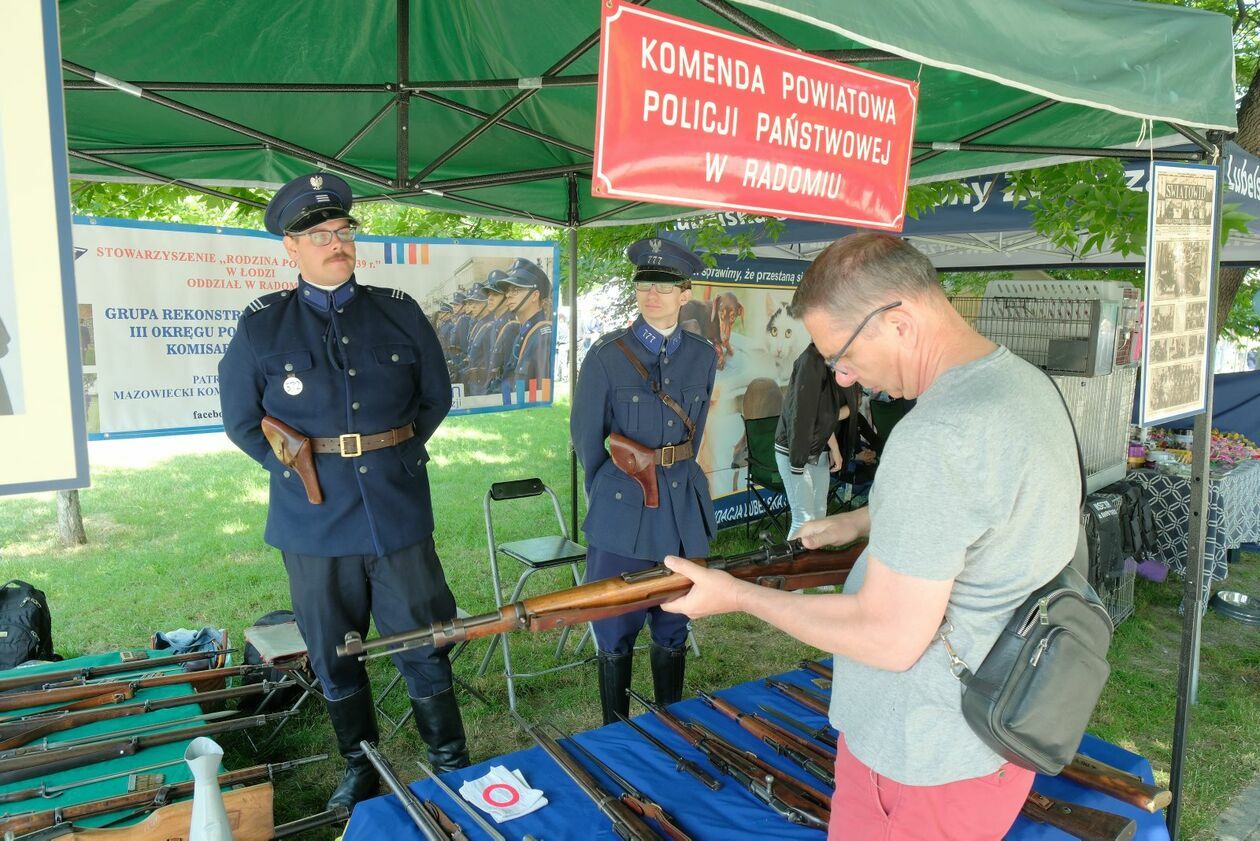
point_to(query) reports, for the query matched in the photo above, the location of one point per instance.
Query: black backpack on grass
(25, 625)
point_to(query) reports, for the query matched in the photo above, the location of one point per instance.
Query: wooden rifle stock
(32, 821)
(1078, 821)
(772, 565)
(1082, 770)
(810, 756)
(792, 799)
(45, 680)
(14, 734)
(40, 697)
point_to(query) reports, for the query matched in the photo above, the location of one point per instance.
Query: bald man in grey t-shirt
(974, 506)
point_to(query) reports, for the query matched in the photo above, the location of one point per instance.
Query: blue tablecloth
(730, 813)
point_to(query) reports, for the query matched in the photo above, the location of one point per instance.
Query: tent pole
(573, 334)
(1192, 600)
(402, 99)
(163, 180)
(197, 113)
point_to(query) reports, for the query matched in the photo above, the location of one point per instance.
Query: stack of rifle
(1078, 821)
(37, 709)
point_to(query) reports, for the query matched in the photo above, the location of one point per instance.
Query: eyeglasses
(321, 238)
(834, 360)
(661, 288)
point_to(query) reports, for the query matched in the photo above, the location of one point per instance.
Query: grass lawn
(180, 545)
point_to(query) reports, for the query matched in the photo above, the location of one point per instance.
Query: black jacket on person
(810, 409)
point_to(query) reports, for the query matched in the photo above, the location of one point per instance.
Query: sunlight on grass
(258, 495)
(454, 432)
(476, 456)
(234, 527)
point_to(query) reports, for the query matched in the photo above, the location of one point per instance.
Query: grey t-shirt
(979, 484)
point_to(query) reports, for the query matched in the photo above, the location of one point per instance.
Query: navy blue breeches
(616, 635)
(402, 591)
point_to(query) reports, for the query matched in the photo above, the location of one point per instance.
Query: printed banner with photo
(159, 303)
(41, 415)
(1179, 260)
(741, 306)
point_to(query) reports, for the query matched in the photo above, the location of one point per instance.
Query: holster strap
(354, 444)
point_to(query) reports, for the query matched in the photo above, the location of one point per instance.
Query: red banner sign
(697, 116)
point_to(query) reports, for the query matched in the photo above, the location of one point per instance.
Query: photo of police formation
(335, 388)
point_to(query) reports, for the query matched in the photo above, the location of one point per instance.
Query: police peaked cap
(478, 294)
(662, 259)
(525, 274)
(493, 280)
(458, 298)
(307, 201)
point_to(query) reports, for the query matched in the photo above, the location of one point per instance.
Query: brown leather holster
(294, 451)
(639, 463)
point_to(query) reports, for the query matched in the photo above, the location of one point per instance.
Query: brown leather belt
(670, 454)
(354, 444)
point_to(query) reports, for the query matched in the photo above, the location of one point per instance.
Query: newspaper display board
(1180, 254)
(158, 304)
(41, 415)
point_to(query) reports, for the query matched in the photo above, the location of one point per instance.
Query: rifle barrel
(56, 695)
(681, 763)
(428, 826)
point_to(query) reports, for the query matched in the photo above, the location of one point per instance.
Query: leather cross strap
(656, 389)
(353, 444)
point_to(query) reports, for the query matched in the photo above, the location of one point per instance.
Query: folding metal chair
(282, 647)
(534, 554)
(763, 482)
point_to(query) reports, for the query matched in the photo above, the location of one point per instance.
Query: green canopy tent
(487, 106)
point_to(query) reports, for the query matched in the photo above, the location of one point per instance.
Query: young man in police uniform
(617, 393)
(359, 371)
(528, 288)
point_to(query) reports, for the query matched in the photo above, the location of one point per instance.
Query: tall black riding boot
(668, 667)
(354, 720)
(614, 680)
(440, 725)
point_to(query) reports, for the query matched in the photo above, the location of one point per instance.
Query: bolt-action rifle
(14, 734)
(143, 800)
(1082, 770)
(783, 566)
(85, 673)
(626, 823)
(811, 756)
(59, 695)
(25, 766)
(795, 801)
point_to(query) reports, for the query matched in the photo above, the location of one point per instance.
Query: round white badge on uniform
(293, 386)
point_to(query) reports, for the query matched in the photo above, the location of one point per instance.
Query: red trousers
(869, 807)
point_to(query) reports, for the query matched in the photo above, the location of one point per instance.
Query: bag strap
(957, 665)
(656, 389)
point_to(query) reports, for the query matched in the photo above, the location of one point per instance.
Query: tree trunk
(70, 519)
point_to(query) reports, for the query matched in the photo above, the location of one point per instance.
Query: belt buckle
(668, 449)
(355, 439)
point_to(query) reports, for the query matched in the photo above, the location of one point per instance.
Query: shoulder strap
(656, 388)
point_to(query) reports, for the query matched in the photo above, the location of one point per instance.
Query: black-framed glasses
(834, 360)
(660, 287)
(321, 238)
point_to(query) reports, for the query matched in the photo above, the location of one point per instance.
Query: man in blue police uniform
(650, 383)
(481, 342)
(357, 370)
(528, 289)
